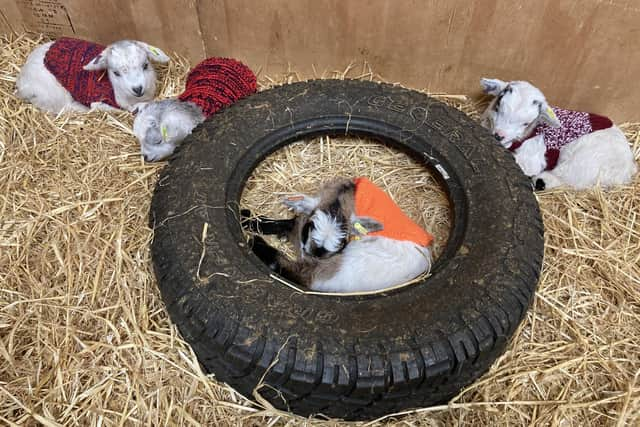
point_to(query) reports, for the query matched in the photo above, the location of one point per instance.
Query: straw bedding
(85, 339)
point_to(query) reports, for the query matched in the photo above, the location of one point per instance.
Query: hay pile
(85, 339)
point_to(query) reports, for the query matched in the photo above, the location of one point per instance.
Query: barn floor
(85, 338)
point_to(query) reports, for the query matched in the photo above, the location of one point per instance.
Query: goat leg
(264, 225)
(295, 271)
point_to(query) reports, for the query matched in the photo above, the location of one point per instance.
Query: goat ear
(99, 62)
(154, 53)
(547, 115)
(363, 224)
(492, 86)
(301, 203)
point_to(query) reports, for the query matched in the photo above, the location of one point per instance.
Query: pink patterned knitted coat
(573, 125)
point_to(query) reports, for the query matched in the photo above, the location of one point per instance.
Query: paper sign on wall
(47, 16)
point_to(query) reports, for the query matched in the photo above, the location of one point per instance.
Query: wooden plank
(578, 52)
(171, 25)
(581, 53)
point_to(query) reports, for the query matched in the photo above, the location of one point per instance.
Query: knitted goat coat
(218, 82)
(573, 125)
(372, 202)
(65, 59)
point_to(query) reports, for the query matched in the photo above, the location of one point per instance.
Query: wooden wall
(581, 53)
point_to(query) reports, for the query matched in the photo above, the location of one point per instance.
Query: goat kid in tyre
(554, 146)
(77, 75)
(339, 248)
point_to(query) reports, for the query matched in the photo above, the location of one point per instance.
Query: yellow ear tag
(551, 114)
(163, 130)
(360, 228)
(154, 50)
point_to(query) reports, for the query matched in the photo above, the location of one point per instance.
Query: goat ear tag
(154, 50)
(360, 228)
(551, 114)
(163, 130)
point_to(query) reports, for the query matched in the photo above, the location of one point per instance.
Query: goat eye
(117, 73)
(526, 124)
(145, 66)
(320, 252)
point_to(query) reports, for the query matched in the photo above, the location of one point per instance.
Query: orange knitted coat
(374, 203)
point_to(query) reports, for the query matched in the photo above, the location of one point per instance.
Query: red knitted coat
(65, 59)
(573, 125)
(218, 82)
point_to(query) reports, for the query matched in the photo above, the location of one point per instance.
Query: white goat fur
(161, 126)
(599, 158)
(327, 232)
(126, 57)
(603, 157)
(368, 264)
(374, 263)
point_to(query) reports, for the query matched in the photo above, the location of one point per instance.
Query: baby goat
(350, 237)
(211, 85)
(555, 146)
(76, 75)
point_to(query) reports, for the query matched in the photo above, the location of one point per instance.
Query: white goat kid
(211, 85)
(161, 126)
(131, 77)
(340, 251)
(555, 146)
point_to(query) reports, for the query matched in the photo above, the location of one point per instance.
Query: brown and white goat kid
(555, 146)
(338, 250)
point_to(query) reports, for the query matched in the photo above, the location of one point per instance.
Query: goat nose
(138, 90)
(145, 157)
(498, 136)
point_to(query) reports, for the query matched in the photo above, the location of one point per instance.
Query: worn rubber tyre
(353, 357)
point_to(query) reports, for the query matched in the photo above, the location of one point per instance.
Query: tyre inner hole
(302, 166)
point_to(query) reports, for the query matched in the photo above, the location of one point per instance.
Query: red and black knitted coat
(218, 82)
(65, 59)
(573, 125)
